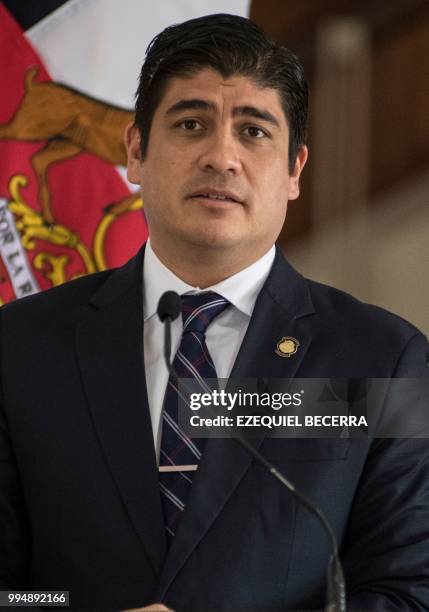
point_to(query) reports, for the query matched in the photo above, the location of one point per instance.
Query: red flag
(64, 209)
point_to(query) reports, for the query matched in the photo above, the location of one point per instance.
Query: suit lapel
(281, 310)
(109, 342)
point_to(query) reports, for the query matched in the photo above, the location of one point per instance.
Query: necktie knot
(199, 310)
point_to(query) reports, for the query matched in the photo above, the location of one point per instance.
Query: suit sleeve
(386, 549)
(14, 531)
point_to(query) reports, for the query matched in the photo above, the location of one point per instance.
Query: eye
(255, 132)
(190, 125)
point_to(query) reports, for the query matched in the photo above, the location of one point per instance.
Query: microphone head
(169, 306)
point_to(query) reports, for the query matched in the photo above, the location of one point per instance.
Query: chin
(214, 240)
(212, 235)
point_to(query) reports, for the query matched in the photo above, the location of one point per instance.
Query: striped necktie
(192, 360)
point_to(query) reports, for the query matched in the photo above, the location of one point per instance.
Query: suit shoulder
(66, 298)
(349, 313)
(365, 340)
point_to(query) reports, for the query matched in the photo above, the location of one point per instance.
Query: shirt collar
(241, 289)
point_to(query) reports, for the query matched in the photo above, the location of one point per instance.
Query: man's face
(216, 174)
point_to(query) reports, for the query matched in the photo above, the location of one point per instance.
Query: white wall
(380, 256)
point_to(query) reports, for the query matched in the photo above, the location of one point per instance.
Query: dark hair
(231, 45)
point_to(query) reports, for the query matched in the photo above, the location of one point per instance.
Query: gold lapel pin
(287, 346)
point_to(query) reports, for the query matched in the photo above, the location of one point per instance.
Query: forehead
(210, 85)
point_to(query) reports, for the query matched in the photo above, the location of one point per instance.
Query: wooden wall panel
(399, 132)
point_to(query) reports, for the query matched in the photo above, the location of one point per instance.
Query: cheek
(272, 183)
(165, 170)
(272, 196)
(270, 168)
(151, 181)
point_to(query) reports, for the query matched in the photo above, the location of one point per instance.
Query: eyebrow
(257, 113)
(197, 104)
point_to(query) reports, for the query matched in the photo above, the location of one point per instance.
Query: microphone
(169, 307)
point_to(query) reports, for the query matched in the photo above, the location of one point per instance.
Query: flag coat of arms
(65, 211)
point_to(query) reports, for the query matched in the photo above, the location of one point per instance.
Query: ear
(301, 158)
(132, 140)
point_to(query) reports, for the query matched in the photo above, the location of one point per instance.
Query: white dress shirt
(223, 337)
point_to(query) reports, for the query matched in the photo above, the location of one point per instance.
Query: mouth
(215, 197)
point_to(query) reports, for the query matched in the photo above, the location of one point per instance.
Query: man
(218, 147)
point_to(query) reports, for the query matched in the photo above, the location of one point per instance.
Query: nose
(220, 154)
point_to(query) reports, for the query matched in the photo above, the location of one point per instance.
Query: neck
(202, 267)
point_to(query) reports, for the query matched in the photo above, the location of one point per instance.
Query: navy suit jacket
(79, 498)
